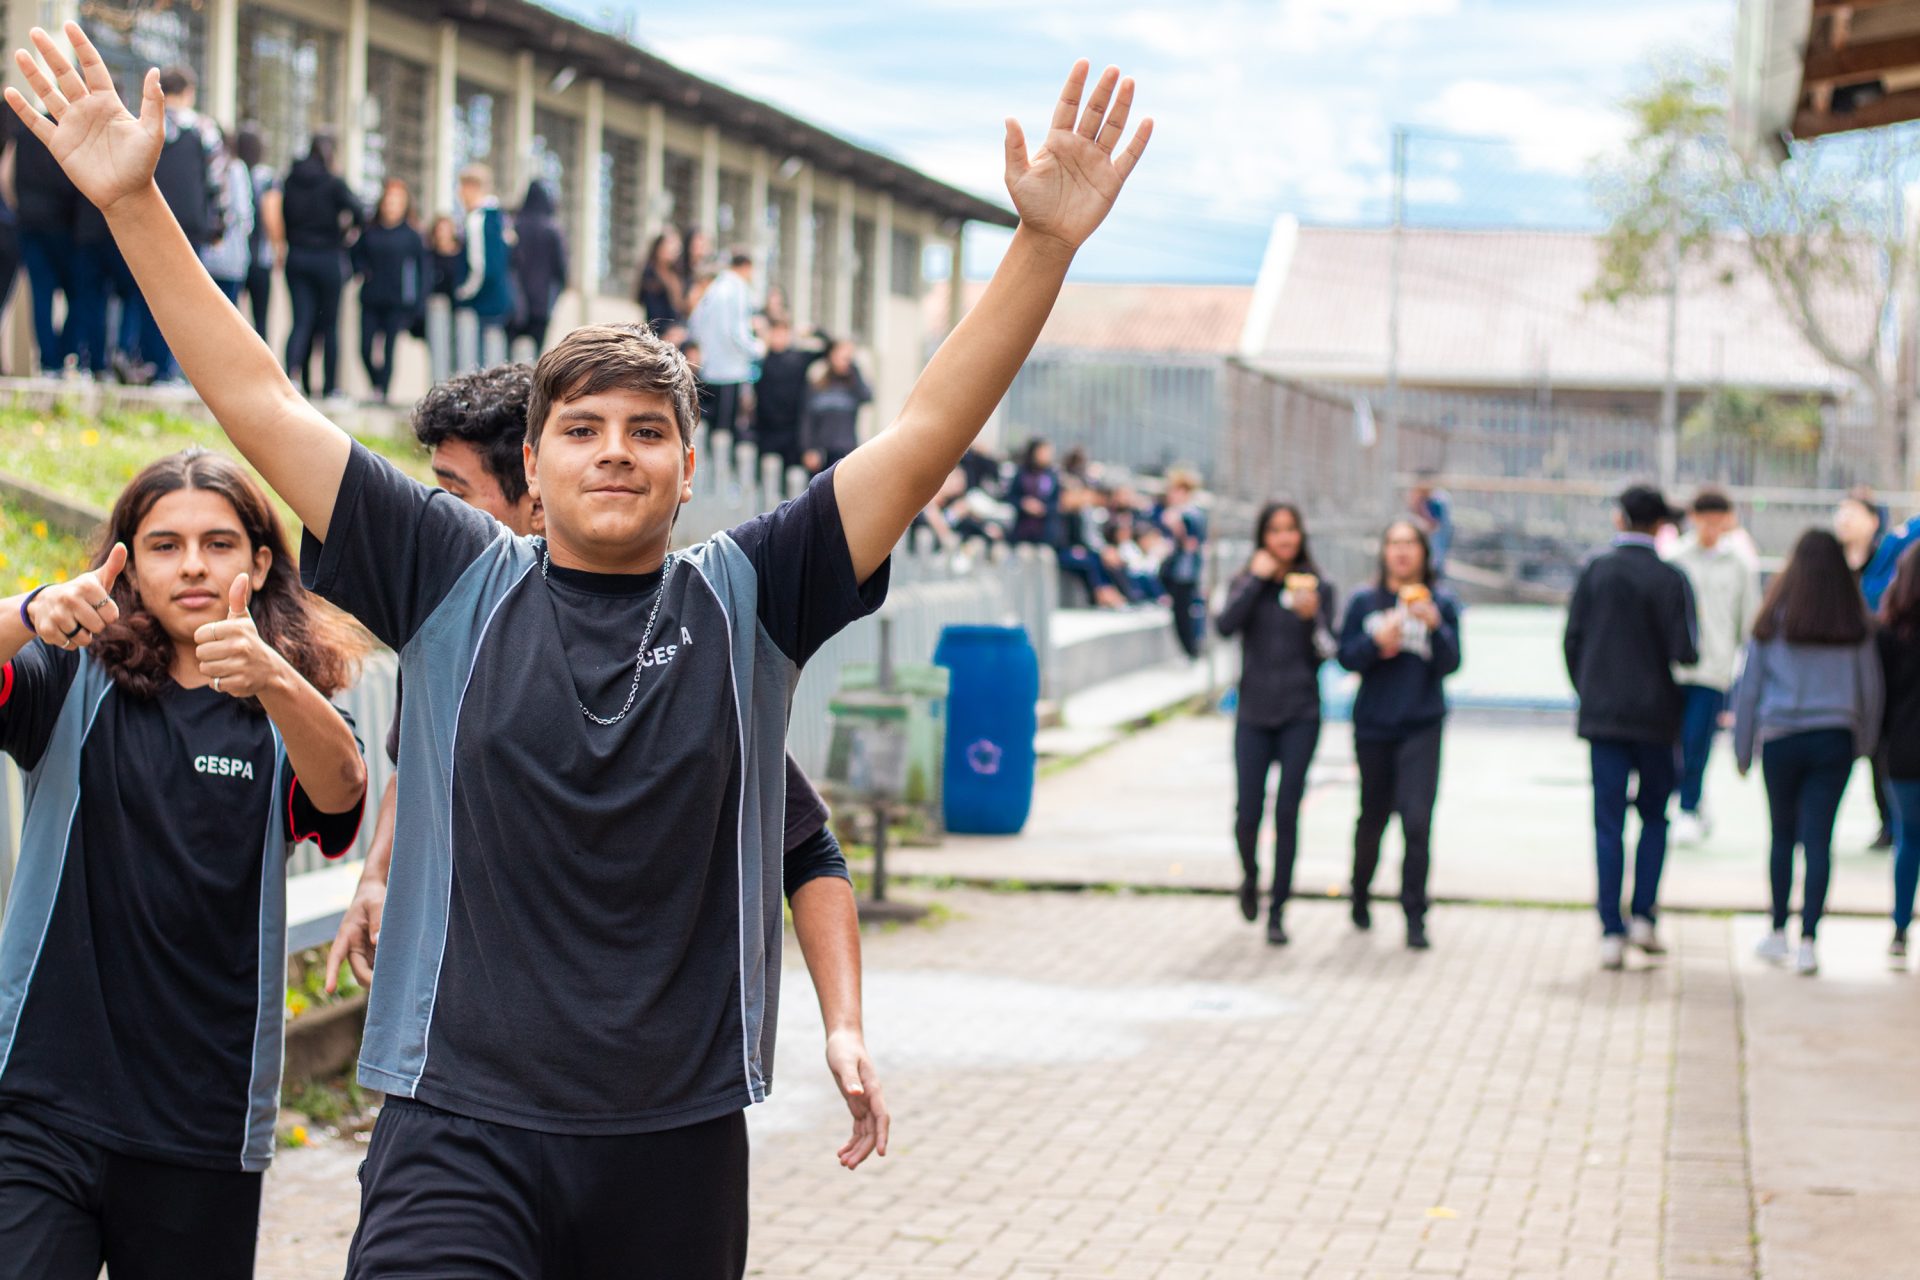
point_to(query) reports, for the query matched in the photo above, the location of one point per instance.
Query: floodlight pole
(1670, 388)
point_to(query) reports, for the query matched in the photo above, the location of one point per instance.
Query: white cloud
(1550, 133)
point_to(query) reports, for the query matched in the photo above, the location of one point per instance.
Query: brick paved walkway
(1136, 1086)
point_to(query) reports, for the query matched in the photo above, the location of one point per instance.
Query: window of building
(618, 261)
(681, 178)
(826, 253)
(555, 160)
(481, 118)
(863, 251)
(396, 114)
(905, 278)
(731, 217)
(133, 35)
(289, 80)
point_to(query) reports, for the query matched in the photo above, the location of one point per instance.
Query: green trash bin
(922, 690)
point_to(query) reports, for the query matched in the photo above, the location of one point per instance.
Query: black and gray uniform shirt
(583, 925)
(143, 956)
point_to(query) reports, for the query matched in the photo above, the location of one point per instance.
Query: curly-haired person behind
(170, 708)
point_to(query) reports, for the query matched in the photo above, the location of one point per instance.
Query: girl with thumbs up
(170, 708)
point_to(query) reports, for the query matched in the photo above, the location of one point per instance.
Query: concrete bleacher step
(1094, 646)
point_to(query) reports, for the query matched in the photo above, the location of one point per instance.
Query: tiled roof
(1188, 319)
(1509, 308)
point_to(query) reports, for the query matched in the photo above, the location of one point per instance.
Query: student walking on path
(391, 259)
(1402, 635)
(1809, 704)
(318, 211)
(1629, 625)
(568, 1042)
(170, 710)
(1899, 644)
(1283, 611)
(1726, 592)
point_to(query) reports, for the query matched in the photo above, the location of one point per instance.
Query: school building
(418, 89)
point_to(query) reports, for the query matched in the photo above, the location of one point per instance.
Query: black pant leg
(302, 292)
(259, 295)
(1254, 749)
(50, 1186)
(1296, 744)
(1783, 766)
(670, 1205)
(1377, 766)
(329, 283)
(165, 1222)
(1416, 790)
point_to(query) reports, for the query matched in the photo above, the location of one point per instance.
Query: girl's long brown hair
(317, 641)
(1900, 607)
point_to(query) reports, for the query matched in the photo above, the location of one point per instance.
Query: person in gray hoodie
(1721, 568)
(1809, 701)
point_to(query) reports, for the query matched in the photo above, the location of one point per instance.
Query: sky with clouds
(1286, 106)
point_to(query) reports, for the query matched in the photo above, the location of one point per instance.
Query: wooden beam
(1895, 108)
(1833, 6)
(1862, 61)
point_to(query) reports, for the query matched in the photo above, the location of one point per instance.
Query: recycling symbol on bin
(984, 757)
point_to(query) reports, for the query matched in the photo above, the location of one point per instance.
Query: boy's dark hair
(1712, 501)
(176, 80)
(602, 357)
(1644, 508)
(488, 410)
(740, 258)
(1815, 599)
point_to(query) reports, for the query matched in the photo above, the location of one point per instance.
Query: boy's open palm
(107, 152)
(1065, 188)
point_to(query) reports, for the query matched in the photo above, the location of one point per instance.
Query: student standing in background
(1726, 592)
(391, 260)
(1899, 644)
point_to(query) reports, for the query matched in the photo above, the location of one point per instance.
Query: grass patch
(31, 553)
(90, 460)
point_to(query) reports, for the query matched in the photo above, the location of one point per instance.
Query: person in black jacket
(391, 260)
(1629, 624)
(781, 393)
(46, 214)
(1402, 635)
(1899, 641)
(1282, 609)
(318, 211)
(830, 415)
(539, 267)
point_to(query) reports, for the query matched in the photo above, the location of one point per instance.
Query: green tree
(1825, 230)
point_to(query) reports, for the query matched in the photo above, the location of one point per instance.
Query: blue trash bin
(991, 721)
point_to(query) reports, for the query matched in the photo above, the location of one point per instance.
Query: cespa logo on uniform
(224, 767)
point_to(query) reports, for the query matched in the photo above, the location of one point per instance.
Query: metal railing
(1142, 412)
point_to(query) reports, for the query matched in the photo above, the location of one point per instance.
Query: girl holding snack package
(1282, 610)
(1402, 636)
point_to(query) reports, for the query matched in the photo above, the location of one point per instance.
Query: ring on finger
(77, 629)
(216, 684)
(101, 604)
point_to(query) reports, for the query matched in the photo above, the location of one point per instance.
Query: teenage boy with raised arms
(582, 936)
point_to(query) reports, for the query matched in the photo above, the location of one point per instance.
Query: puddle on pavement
(933, 1020)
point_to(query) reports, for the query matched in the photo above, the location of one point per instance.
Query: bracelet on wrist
(26, 620)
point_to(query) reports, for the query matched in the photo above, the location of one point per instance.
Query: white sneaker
(1640, 934)
(1688, 830)
(1808, 961)
(1613, 952)
(1773, 948)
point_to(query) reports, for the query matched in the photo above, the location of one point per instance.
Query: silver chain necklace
(640, 656)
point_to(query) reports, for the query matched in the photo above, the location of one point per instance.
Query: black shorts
(448, 1197)
(68, 1205)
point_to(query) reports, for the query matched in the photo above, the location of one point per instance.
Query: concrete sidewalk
(1513, 825)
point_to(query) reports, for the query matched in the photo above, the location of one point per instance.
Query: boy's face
(462, 471)
(186, 554)
(610, 474)
(1711, 526)
(472, 193)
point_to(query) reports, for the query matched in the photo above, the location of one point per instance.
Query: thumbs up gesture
(71, 615)
(231, 654)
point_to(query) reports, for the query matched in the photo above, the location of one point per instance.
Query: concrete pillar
(709, 219)
(842, 313)
(653, 176)
(589, 215)
(353, 136)
(440, 129)
(881, 273)
(220, 95)
(516, 172)
(957, 278)
(756, 238)
(802, 301)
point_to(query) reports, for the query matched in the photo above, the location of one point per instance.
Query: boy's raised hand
(1065, 189)
(107, 152)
